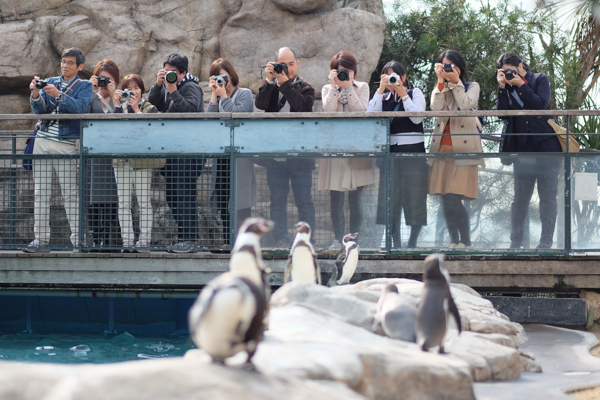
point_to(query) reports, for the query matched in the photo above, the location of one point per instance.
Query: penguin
(227, 317)
(246, 257)
(333, 277)
(396, 315)
(347, 258)
(436, 305)
(302, 263)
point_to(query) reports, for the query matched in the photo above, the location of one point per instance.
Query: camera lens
(448, 67)
(171, 76)
(343, 75)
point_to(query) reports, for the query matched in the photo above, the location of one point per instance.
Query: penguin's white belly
(349, 267)
(217, 333)
(244, 264)
(303, 265)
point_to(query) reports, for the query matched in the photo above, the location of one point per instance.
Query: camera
(448, 67)
(42, 83)
(509, 74)
(221, 79)
(171, 76)
(343, 74)
(280, 68)
(126, 95)
(103, 81)
(394, 79)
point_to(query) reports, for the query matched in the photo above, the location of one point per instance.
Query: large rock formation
(138, 34)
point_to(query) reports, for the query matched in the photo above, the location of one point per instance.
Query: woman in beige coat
(455, 180)
(341, 175)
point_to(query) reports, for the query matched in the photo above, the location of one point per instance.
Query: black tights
(457, 219)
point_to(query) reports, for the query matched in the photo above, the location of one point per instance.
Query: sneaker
(454, 245)
(183, 247)
(142, 247)
(36, 246)
(76, 248)
(128, 247)
(544, 246)
(463, 246)
(336, 245)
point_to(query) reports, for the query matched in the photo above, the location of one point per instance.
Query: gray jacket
(187, 97)
(241, 101)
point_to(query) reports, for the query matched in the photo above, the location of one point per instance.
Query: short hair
(458, 61)
(284, 48)
(74, 52)
(108, 66)
(511, 58)
(224, 64)
(345, 60)
(397, 68)
(133, 78)
(178, 61)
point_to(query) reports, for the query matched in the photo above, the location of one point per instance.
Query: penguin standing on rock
(436, 305)
(396, 315)
(302, 264)
(347, 259)
(230, 315)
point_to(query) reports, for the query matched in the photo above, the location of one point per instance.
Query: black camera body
(42, 83)
(126, 95)
(171, 76)
(509, 74)
(221, 79)
(343, 74)
(103, 81)
(448, 67)
(280, 68)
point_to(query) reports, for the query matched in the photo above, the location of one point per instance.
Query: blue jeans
(279, 174)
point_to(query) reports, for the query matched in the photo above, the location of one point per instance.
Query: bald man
(287, 92)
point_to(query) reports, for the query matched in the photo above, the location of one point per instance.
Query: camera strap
(106, 104)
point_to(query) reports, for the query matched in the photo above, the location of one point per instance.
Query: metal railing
(231, 165)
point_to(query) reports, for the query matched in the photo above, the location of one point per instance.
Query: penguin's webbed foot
(441, 350)
(423, 347)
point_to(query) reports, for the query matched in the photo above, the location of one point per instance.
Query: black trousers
(338, 219)
(181, 176)
(527, 172)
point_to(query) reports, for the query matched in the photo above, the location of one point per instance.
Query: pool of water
(94, 348)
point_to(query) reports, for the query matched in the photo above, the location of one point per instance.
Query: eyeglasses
(65, 62)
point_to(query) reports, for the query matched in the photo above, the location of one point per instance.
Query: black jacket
(187, 97)
(535, 95)
(300, 95)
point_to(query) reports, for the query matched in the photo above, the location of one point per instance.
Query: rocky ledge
(319, 345)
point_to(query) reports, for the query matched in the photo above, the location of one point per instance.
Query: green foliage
(586, 125)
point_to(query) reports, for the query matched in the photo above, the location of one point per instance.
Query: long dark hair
(397, 68)
(458, 61)
(511, 59)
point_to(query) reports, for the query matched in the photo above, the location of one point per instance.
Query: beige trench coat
(454, 98)
(345, 174)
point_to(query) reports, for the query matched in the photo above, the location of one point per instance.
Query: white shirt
(417, 103)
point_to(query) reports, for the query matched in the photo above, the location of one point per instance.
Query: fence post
(81, 234)
(388, 188)
(233, 223)
(568, 188)
(13, 192)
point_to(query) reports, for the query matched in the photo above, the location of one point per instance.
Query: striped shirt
(51, 133)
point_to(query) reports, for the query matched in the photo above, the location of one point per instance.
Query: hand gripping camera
(280, 68)
(394, 79)
(343, 74)
(171, 76)
(221, 79)
(103, 81)
(126, 95)
(42, 83)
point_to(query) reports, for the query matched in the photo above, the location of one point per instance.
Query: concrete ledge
(542, 310)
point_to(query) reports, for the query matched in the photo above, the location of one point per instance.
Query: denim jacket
(76, 102)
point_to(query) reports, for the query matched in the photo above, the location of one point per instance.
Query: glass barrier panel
(585, 213)
(336, 195)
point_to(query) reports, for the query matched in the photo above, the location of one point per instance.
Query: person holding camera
(64, 94)
(340, 175)
(177, 91)
(409, 176)
(227, 96)
(101, 189)
(284, 91)
(520, 89)
(455, 180)
(134, 174)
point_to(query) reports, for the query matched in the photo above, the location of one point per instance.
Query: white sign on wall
(586, 186)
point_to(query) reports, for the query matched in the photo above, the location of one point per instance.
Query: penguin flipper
(454, 310)
(317, 270)
(286, 271)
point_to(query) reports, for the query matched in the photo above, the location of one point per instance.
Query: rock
(528, 363)
(157, 379)
(138, 36)
(592, 298)
(15, 104)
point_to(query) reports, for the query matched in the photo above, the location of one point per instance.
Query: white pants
(127, 178)
(66, 170)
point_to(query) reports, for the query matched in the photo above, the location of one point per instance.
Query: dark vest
(400, 124)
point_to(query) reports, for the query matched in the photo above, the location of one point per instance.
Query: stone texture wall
(138, 34)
